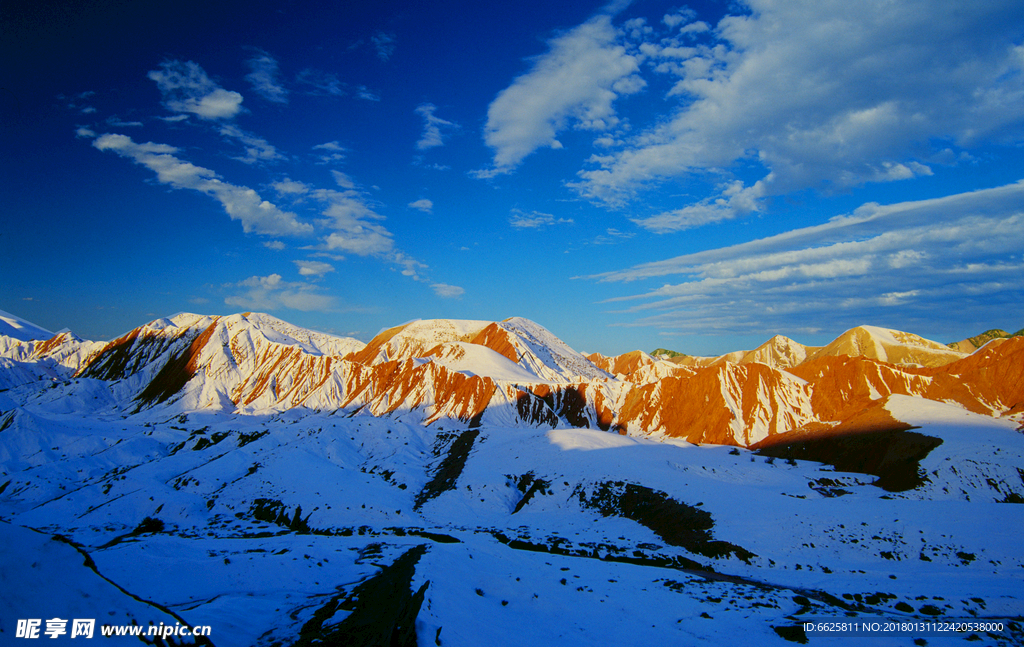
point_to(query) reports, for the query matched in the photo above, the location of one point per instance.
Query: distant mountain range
(460, 483)
(972, 344)
(516, 373)
(17, 328)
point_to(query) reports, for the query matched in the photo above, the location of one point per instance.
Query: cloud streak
(241, 203)
(273, 293)
(423, 204)
(313, 268)
(188, 90)
(575, 83)
(433, 126)
(894, 262)
(257, 149)
(535, 220)
(265, 77)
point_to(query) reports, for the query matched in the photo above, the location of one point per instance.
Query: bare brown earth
(724, 403)
(497, 339)
(41, 349)
(368, 353)
(177, 372)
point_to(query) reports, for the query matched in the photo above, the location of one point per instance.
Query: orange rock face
(728, 404)
(722, 402)
(744, 404)
(497, 339)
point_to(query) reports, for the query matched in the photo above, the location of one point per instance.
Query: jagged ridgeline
(466, 374)
(971, 344)
(461, 483)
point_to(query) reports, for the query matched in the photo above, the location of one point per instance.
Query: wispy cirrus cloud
(187, 89)
(81, 102)
(241, 203)
(272, 292)
(384, 44)
(882, 263)
(423, 204)
(354, 225)
(117, 122)
(341, 221)
(330, 152)
(812, 95)
(433, 127)
(257, 149)
(733, 200)
(318, 82)
(574, 84)
(447, 291)
(535, 220)
(313, 268)
(612, 236)
(265, 77)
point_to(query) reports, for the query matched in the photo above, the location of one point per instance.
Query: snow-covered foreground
(299, 527)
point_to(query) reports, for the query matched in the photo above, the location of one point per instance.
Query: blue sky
(629, 175)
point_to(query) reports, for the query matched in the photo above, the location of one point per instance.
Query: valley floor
(317, 528)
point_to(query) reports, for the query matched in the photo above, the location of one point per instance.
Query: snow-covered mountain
(514, 372)
(475, 482)
(17, 328)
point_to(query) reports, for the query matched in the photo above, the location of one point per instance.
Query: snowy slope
(277, 529)
(892, 346)
(473, 483)
(17, 328)
(513, 373)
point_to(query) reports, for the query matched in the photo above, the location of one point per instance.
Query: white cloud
(355, 224)
(734, 200)
(535, 220)
(116, 122)
(850, 270)
(256, 148)
(313, 268)
(410, 266)
(330, 146)
(289, 187)
(264, 77)
(424, 205)
(364, 93)
(357, 228)
(384, 44)
(186, 89)
(80, 102)
(575, 82)
(432, 136)
(447, 291)
(826, 94)
(322, 83)
(275, 245)
(273, 293)
(241, 203)
(332, 152)
(612, 236)
(343, 180)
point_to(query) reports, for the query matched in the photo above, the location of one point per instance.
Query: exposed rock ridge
(463, 374)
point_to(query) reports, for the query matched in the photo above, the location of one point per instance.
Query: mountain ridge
(516, 373)
(488, 485)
